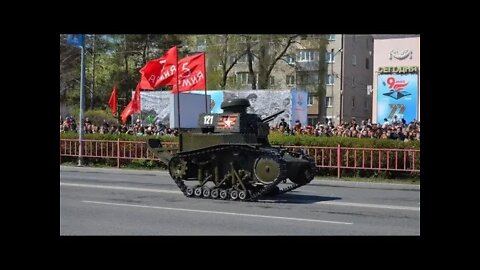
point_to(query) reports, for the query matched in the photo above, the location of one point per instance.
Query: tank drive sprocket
(177, 167)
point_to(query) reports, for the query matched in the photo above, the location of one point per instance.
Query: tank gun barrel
(271, 117)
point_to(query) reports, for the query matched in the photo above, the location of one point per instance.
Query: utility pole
(82, 100)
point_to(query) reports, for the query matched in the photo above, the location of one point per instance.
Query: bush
(114, 137)
(308, 140)
(275, 139)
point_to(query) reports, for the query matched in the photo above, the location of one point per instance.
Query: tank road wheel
(223, 194)
(266, 170)
(177, 167)
(189, 191)
(198, 192)
(215, 193)
(206, 192)
(242, 195)
(233, 194)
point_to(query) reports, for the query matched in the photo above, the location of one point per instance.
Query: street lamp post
(82, 101)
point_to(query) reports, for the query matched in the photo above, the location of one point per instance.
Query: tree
(268, 50)
(223, 53)
(69, 67)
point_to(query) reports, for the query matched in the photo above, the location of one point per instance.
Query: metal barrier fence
(380, 159)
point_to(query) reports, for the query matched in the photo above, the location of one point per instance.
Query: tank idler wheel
(198, 192)
(223, 194)
(215, 193)
(233, 194)
(242, 195)
(189, 191)
(206, 192)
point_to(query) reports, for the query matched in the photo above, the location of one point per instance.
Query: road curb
(316, 181)
(110, 170)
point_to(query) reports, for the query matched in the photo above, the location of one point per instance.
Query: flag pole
(178, 94)
(82, 100)
(116, 105)
(205, 78)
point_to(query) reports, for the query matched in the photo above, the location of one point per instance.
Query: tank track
(294, 185)
(265, 191)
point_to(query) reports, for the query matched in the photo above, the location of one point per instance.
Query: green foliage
(281, 139)
(275, 139)
(114, 137)
(108, 59)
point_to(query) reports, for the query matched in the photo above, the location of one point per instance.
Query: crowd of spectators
(138, 128)
(395, 129)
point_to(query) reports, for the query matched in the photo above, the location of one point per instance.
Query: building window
(290, 60)
(201, 44)
(271, 80)
(354, 60)
(231, 80)
(367, 63)
(243, 78)
(353, 102)
(310, 100)
(353, 81)
(302, 78)
(331, 37)
(305, 56)
(330, 57)
(329, 102)
(330, 80)
(290, 80)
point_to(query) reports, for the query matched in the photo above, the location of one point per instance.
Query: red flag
(113, 100)
(126, 112)
(191, 74)
(159, 71)
(136, 99)
(133, 106)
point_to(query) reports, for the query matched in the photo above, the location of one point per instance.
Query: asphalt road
(127, 202)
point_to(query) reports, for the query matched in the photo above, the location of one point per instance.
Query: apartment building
(346, 65)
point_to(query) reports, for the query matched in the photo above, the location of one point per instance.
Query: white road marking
(220, 213)
(121, 188)
(383, 206)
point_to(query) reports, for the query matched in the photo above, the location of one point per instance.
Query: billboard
(156, 104)
(216, 99)
(299, 107)
(265, 102)
(397, 95)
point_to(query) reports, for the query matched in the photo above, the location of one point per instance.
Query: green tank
(232, 159)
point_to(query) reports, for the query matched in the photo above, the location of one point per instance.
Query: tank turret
(232, 158)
